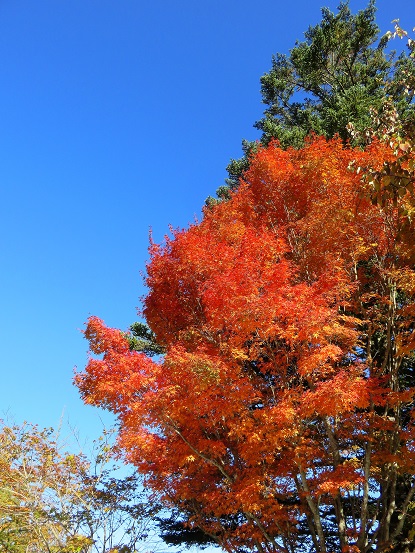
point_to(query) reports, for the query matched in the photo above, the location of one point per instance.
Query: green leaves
(330, 82)
(142, 339)
(336, 74)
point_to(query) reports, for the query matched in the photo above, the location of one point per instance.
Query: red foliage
(286, 315)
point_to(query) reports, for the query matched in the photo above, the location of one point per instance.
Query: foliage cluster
(52, 501)
(335, 78)
(281, 416)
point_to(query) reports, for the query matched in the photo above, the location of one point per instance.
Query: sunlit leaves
(58, 502)
(283, 401)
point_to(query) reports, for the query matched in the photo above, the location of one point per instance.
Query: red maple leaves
(284, 400)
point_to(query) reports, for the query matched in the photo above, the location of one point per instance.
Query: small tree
(54, 501)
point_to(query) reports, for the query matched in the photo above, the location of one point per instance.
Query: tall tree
(280, 418)
(335, 78)
(340, 80)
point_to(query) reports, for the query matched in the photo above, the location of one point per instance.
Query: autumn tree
(341, 80)
(334, 78)
(52, 501)
(281, 416)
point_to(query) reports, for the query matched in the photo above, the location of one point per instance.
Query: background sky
(116, 116)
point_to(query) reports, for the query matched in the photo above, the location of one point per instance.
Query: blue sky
(116, 116)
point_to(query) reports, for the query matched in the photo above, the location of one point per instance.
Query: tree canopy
(281, 416)
(335, 78)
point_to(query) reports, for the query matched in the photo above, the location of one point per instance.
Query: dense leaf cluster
(280, 417)
(335, 78)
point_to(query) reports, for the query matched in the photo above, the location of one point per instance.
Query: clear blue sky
(115, 116)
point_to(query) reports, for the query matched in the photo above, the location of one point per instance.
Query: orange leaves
(319, 360)
(315, 201)
(102, 338)
(344, 477)
(119, 369)
(345, 392)
(286, 315)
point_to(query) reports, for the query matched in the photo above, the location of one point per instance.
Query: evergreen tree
(335, 78)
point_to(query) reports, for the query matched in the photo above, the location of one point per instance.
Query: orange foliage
(286, 315)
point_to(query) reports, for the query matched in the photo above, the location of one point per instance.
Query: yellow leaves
(77, 544)
(239, 354)
(206, 372)
(362, 249)
(52, 500)
(405, 279)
